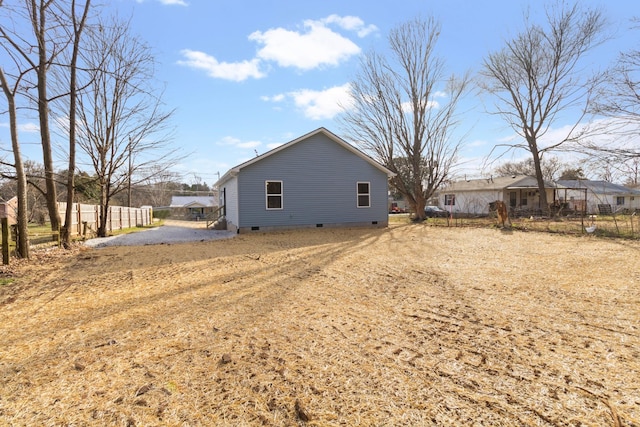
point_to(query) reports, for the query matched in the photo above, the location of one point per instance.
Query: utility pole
(130, 167)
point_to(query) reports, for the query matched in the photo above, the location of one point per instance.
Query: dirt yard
(412, 325)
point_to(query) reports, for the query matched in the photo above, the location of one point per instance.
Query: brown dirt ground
(410, 325)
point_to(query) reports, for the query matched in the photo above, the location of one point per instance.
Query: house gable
(318, 177)
(234, 171)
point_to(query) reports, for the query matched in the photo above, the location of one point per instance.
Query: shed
(316, 180)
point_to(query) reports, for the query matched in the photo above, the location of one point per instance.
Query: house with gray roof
(474, 196)
(192, 207)
(316, 180)
(602, 197)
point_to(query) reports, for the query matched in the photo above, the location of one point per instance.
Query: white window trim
(358, 194)
(266, 195)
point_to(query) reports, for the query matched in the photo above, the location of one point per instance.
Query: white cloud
(24, 127)
(316, 46)
(249, 144)
(168, 2)
(326, 104)
(174, 2)
(29, 127)
(235, 142)
(351, 23)
(274, 145)
(407, 107)
(274, 98)
(476, 143)
(236, 71)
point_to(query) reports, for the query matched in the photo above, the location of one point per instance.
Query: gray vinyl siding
(319, 187)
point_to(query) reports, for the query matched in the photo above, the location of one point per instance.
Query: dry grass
(624, 226)
(411, 325)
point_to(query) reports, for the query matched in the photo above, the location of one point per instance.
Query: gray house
(316, 180)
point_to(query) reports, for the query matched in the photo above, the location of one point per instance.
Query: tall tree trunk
(544, 203)
(43, 113)
(77, 31)
(104, 211)
(23, 231)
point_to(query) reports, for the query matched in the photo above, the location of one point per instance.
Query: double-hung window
(449, 199)
(273, 191)
(364, 194)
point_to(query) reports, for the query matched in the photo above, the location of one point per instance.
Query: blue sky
(247, 75)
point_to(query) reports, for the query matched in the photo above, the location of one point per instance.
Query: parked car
(435, 212)
(394, 208)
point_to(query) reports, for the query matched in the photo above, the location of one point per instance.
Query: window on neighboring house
(449, 199)
(274, 194)
(363, 194)
(620, 200)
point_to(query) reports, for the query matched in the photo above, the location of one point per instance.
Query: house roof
(498, 183)
(233, 171)
(598, 187)
(192, 202)
(8, 200)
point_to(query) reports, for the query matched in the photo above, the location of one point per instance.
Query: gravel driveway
(171, 232)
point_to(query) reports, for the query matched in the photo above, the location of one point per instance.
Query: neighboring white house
(601, 196)
(192, 207)
(521, 194)
(474, 196)
(316, 180)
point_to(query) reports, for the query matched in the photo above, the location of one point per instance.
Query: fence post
(79, 219)
(5, 241)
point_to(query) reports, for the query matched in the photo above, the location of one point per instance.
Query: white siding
(471, 202)
(233, 214)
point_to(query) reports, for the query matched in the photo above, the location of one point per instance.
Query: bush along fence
(85, 218)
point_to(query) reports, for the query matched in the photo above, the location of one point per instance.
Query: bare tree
(615, 139)
(34, 173)
(122, 129)
(570, 173)
(77, 27)
(22, 244)
(159, 186)
(621, 168)
(537, 76)
(404, 111)
(36, 52)
(550, 167)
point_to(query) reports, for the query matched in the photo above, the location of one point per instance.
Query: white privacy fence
(86, 217)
